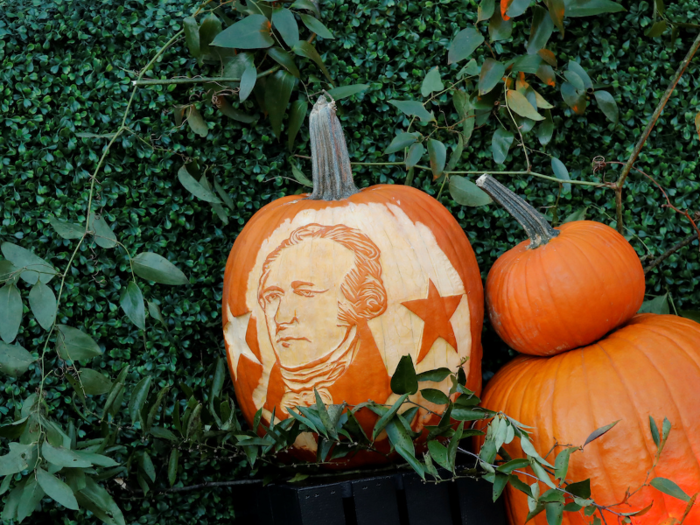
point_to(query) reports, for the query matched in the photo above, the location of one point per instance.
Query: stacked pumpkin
(568, 298)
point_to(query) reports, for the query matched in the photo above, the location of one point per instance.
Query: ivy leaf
(415, 153)
(560, 172)
(412, 109)
(347, 91)
(73, 344)
(557, 11)
(438, 154)
(34, 268)
(670, 488)
(284, 21)
(401, 141)
(296, 118)
(153, 267)
(464, 44)
(11, 311)
(94, 382)
(192, 36)
(56, 489)
(131, 302)
(67, 230)
(278, 91)
(578, 215)
(194, 187)
(607, 105)
(316, 26)
(305, 49)
(491, 74)
(432, 82)
(253, 32)
(518, 103)
(657, 305)
(500, 144)
(14, 359)
(541, 30)
(42, 301)
(196, 122)
(104, 236)
(466, 193)
(404, 380)
(599, 432)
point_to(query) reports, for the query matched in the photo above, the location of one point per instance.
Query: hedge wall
(67, 68)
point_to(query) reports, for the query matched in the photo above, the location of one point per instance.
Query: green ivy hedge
(67, 68)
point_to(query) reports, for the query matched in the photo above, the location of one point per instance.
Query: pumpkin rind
(649, 367)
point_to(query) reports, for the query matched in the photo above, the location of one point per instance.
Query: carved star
(234, 333)
(436, 312)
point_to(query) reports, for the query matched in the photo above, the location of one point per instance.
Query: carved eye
(272, 296)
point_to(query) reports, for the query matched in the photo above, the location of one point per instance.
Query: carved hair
(363, 289)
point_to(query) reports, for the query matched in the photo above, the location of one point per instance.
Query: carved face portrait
(315, 287)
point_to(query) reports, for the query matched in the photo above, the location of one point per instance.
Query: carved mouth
(286, 341)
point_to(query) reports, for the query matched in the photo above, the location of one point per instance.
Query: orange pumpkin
(328, 291)
(649, 367)
(564, 288)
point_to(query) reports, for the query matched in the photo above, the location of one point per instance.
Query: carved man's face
(300, 298)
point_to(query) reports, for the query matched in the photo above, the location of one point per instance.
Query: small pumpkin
(326, 292)
(563, 288)
(648, 368)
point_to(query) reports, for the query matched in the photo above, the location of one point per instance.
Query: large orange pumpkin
(565, 287)
(328, 291)
(649, 367)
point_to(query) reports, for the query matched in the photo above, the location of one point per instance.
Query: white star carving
(234, 333)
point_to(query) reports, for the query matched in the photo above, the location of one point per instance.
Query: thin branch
(213, 484)
(682, 244)
(196, 80)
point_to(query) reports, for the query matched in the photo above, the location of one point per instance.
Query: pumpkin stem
(332, 175)
(533, 222)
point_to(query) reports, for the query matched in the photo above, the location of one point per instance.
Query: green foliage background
(67, 66)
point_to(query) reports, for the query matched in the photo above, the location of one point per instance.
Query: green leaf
(464, 44)
(526, 63)
(11, 311)
(468, 414)
(172, 466)
(466, 193)
(146, 466)
(582, 489)
(315, 26)
(404, 380)
(8, 271)
(520, 105)
(131, 302)
(541, 473)
(657, 29)
(248, 80)
(438, 154)
(210, 27)
(163, 433)
(541, 30)
(73, 344)
(227, 109)
(669, 488)
(600, 432)
(560, 172)
(35, 268)
(415, 153)
(456, 154)
(561, 464)
(401, 141)
(284, 59)
(657, 305)
(499, 29)
(347, 91)
(574, 98)
(98, 501)
(578, 8)
(437, 375)
(500, 144)
(486, 8)
(56, 489)
(194, 187)
(546, 129)
(153, 267)
(412, 109)
(513, 464)
(94, 383)
(14, 360)
(138, 398)
(546, 74)
(153, 412)
(555, 513)
(278, 91)
(578, 215)
(305, 49)
(576, 68)
(452, 446)
(104, 236)
(67, 230)
(16, 460)
(607, 105)
(299, 176)
(387, 416)
(557, 11)
(9, 512)
(43, 304)
(498, 485)
(296, 118)
(432, 82)
(196, 122)
(517, 8)
(491, 74)
(63, 457)
(283, 20)
(309, 5)
(435, 396)
(192, 36)
(32, 494)
(253, 32)
(438, 452)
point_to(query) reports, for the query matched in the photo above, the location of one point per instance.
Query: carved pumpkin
(649, 367)
(328, 291)
(564, 288)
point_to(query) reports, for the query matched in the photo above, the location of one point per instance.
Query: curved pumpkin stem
(332, 175)
(533, 222)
